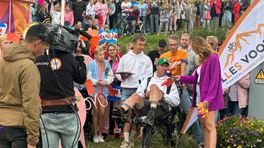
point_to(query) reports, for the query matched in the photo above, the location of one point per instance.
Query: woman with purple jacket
(207, 86)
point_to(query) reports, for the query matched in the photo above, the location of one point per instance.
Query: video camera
(61, 38)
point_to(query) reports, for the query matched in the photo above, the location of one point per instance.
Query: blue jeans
(185, 104)
(166, 24)
(147, 24)
(13, 137)
(154, 21)
(59, 127)
(214, 23)
(127, 92)
(133, 26)
(227, 18)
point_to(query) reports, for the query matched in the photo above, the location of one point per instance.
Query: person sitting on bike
(152, 98)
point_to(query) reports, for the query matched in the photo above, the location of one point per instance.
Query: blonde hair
(97, 50)
(129, 45)
(212, 38)
(201, 47)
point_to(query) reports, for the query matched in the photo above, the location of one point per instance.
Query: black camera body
(62, 39)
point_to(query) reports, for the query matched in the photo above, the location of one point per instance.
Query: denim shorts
(127, 92)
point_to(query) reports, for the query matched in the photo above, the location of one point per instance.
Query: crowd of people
(131, 72)
(137, 73)
(154, 15)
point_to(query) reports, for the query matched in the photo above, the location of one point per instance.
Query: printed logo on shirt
(174, 64)
(55, 63)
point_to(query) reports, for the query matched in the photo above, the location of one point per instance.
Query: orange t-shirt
(180, 56)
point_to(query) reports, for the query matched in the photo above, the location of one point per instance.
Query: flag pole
(62, 11)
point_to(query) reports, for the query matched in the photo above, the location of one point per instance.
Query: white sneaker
(125, 144)
(96, 139)
(101, 139)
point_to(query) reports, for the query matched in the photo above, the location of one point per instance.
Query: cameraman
(19, 90)
(59, 70)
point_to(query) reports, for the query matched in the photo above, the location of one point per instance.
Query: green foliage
(220, 33)
(236, 132)
(153, 40)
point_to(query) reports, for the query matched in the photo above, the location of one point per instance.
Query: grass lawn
(185, 142)
(153, 40)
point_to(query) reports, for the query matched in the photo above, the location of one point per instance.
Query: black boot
(150, 116)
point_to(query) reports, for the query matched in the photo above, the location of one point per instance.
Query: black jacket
(118, 8)
(58, 83)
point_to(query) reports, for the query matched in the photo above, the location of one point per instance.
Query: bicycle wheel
(127, 29)
(120, 31)
(142, 29)
(147, 136)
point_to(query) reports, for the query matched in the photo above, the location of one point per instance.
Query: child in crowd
(56, 13)
(164, 17)
(68, 16)
(101, 75)
(101, 10)
(88, 24)
(113, 59)
(129, 47)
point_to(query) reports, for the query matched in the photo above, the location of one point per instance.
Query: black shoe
(117, 135)
(150, 117)
(104, 135)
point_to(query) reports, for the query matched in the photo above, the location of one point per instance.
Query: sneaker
(101, 139)
(96, 139)
(150, 117)
(125, 144)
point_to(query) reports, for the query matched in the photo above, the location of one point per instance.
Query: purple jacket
(210, 83)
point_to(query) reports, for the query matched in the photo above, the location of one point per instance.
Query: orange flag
(89, 87)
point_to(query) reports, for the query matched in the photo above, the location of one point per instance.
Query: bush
(236, 132)
(153, 40)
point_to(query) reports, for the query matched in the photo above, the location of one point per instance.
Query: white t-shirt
(125, 6)
(198, 93)
(90, 10)
(56, 17)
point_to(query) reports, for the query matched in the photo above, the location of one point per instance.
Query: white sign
(243, 49)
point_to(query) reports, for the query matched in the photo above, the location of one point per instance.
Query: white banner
(243, 49)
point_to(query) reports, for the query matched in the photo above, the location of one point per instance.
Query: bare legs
(98, 116)
(209, 130)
